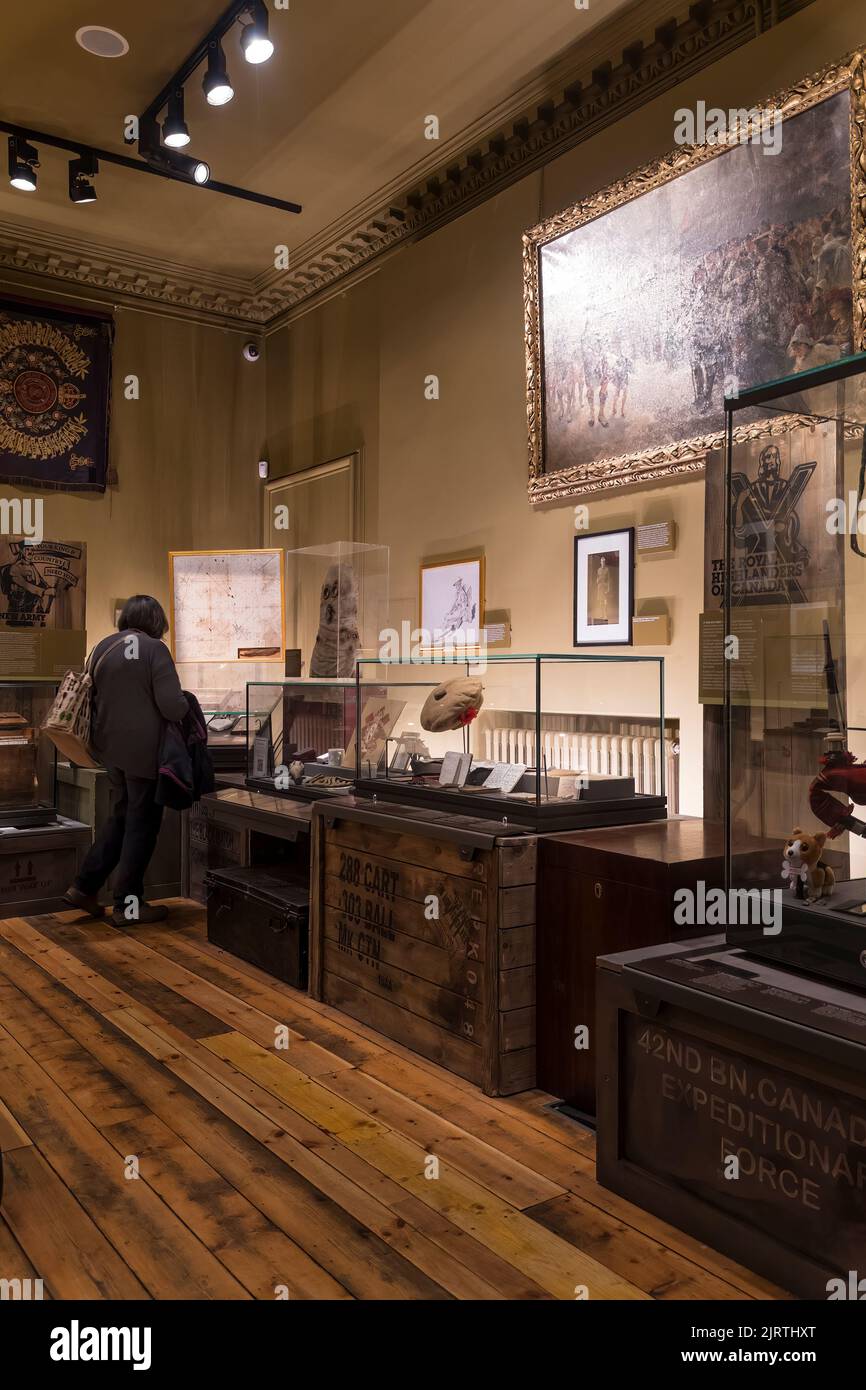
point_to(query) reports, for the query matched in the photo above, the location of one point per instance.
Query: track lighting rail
(41, 137)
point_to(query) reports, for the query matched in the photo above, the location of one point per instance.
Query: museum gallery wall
(450, 475)
(175, 452)
(440, 476)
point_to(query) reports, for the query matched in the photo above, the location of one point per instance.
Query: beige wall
(442, 475)
(185, 455)
(451, 474)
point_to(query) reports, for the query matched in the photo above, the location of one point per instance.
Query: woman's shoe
(86, 902)
(144, 916)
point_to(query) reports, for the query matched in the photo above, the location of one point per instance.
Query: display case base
(542, 817)
(422, 926)
(299, 793)
(732, 1104)
(28, 817)
(825, 938)
(601, 891)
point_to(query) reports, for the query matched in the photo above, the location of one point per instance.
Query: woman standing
(136, 690)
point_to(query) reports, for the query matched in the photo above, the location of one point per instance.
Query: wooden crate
(423, 927)
(705, 1055)
(39, 864)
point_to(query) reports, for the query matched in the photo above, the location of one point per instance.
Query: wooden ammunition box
(732, 1103)
(38, 864)
(423, 927)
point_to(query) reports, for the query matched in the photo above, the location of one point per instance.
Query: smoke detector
(101, 42)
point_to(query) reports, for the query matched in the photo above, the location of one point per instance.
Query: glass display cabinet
(220, 688)
(28, 795)
(549, 742)
(794, 670)
(297, 735)
(337, 605)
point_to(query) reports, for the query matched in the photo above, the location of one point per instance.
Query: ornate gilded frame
(687, 456)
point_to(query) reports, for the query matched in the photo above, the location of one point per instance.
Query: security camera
(252, 352)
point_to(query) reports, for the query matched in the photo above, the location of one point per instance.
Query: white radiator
(620, 755)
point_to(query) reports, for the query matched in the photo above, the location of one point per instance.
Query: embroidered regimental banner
(55, 385)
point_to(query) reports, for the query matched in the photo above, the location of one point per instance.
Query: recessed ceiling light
(102, 42)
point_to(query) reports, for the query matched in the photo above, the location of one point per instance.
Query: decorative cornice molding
(574, 110)
(127, 277)
(583, 92)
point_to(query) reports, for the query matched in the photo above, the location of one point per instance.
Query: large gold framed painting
(55, 379)
(727, 263)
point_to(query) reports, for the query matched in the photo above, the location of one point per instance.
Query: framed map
(227, 605)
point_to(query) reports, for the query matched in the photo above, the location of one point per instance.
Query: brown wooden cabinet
(601, 891)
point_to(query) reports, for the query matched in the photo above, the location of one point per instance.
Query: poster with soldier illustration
(736, 272)
(42, 585)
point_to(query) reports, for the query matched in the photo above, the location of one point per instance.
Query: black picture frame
(620, 633)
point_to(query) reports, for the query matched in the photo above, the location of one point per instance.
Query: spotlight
(23, 163)
(217, 87)
(81, 171)
(195, 170)
(255, 43)
(175, 132)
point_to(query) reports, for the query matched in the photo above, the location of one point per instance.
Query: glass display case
(220, 688)
(27, 758)
(336, 605)
(794, 605)
(297, 735)
(550, 742)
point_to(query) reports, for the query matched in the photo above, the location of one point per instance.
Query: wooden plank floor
(176, 1124)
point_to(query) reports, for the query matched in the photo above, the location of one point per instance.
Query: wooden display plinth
(601, 891)
(38, 865)
(423, 926)
(732, 1103)
(236, 827)
(207, 843)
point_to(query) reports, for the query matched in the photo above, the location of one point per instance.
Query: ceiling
(333, 121)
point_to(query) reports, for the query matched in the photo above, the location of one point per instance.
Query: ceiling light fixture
(193, 170)
(81, 171)
(255, 42)
(23, 163)
(175, 131)
(216, 83)
(101, 42)
(156, 161)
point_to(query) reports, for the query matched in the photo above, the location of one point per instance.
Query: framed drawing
(604, 588)
(227, 605)
(717, 267)
(451, 602)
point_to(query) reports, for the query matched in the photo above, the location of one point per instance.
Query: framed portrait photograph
(451, 604)
(724, 264)
(604, 588)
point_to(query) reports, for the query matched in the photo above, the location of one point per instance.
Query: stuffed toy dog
(804, 869)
